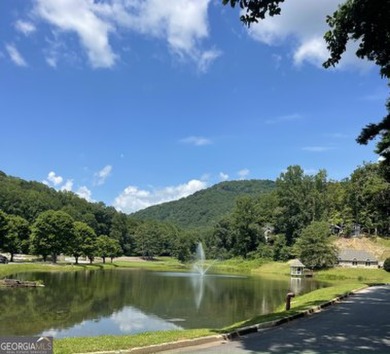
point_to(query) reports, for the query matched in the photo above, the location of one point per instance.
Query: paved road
(360, 324)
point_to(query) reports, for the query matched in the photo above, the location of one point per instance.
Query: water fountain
(199, 267)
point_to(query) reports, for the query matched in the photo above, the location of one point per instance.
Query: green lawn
(116, 343)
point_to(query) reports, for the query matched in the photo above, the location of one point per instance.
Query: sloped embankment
(379, 247)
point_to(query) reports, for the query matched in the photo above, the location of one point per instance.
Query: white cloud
(102, 175)
(85, 193)
(52, 178)
(303, 24)
(223, 176)
(206, 58)
(25, 27)
(15, 56)
(67, 186)
(242, 174)
(133, 198)
(196, 140)
(183, 24)
(132, 320)
(57, 182)
(78, 16)
(313, 51)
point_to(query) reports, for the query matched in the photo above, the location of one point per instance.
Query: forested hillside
(206, 207)
(291, 217)
(28, 199)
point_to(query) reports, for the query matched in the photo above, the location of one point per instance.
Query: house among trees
(297, 268)
(358, 259)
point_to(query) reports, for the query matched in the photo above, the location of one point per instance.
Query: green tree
(128, 241)
(368, 199)
(281, 252)
(256, 9)
(183, 244)
(386, 265)
(302, 199)
(223, 239)
(169, 233)
(51, 233)
(102, 246)
(314, 248)
(89, 246)
(83, 243)
(17, 235)
(340, 214)
(267, 209)
(118, 230)
(114, 249)
(293, 189)
(3, 227)
(248, 231)
(148, 239)
(107, 247)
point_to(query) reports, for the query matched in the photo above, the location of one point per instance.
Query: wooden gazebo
(297, 268)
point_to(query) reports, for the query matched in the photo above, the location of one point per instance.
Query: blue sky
(135, 102)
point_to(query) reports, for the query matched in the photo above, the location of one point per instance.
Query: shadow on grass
(279, 317)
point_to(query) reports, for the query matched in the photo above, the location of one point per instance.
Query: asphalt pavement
(359, 324)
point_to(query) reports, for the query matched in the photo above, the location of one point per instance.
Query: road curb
(256, 328)
(166, 346)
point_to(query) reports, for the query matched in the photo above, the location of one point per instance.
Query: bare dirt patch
(369, 244)
(130, 259)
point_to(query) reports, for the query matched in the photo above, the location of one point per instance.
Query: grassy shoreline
(342, 281)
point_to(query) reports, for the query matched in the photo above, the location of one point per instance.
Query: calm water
(132, 301)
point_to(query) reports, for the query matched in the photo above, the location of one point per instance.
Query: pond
(123, 301)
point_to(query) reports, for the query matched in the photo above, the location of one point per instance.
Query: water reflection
(132, 301)
(198, 285)
(127, 321)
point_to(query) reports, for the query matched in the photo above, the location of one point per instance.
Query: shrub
(386, 265)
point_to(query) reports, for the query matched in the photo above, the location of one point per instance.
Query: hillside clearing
(379, 247)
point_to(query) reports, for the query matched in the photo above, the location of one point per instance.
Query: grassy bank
(15, 268)
(341, 280)
(161, 264)
(116, 343)
(300, 304)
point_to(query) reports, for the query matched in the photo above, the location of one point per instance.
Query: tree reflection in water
(130, 301)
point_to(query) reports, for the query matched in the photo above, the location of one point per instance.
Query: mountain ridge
(207, 206)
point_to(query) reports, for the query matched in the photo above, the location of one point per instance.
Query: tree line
(295, 218)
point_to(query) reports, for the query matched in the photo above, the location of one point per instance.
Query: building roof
(354, 255)
(296, 263)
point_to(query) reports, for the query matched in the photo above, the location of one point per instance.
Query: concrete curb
(256, 328)
(166, 346)
(232, 335)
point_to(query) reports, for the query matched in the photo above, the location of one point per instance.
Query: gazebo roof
(296, 263)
